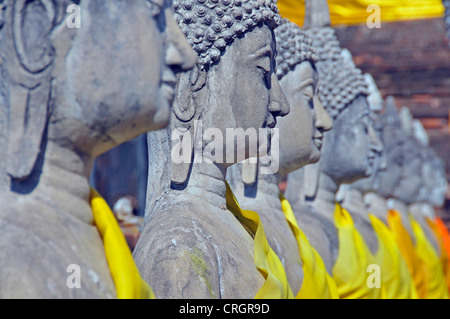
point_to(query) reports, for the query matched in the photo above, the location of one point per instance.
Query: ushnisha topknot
(211, 25)
(340, 81)
(294, 46)
(326, 43)
(339, 85)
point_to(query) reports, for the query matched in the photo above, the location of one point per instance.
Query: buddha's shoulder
(188, 222)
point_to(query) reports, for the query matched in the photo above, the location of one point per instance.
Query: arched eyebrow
(264, 51)
(159, 3)
(305, 83)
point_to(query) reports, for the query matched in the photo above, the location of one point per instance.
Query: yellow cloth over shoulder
(406, 246)
(396, 278)
(126, 277)
(350, 271)
(436, 284)
(317, 283)
(267, 262)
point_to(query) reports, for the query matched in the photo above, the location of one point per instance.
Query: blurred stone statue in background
(353, 194)
(396, 278)
(66, 96)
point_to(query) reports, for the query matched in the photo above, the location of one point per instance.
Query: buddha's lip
(273, 123)
(318, 143)
(168, 90)
(318, 140)
(168, 83)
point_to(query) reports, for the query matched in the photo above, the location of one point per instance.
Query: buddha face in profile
(252, 96)
(301, 131)
(372, 183)
(411, 183)
(123, 63)
(95, 86)
(351, 147)
(234, 84)
(395, 142)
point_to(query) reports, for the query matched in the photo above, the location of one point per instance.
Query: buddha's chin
(162, 115)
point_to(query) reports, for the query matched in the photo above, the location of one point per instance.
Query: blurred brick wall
(411, 61)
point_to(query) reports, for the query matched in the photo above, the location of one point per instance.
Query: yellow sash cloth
(396, 278)
(126, 277)
(350, 271)
(406, 246)
(267, 262)
(317, 283)
(436, 285)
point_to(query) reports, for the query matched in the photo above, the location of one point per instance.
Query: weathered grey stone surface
(68, 95)
(348, 149)
(201, 249)
(301, 133)
(353, 194)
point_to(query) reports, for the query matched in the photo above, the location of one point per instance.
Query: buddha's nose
(323, 120)
(179, 53)
(278, 105)
(376, 144)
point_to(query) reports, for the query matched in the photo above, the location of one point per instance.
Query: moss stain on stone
(201, 268)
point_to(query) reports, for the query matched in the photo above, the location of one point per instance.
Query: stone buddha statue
(191, 244)
(397, 146)
(428, 245)
(353, 194)
(410, 185)
(348, 149)
(300, 142)
(66, 96)
(432, 174)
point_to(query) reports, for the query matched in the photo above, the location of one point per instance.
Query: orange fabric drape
(406, 246)
(442, 233)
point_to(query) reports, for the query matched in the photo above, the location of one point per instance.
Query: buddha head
(350, 148)
(432, 170)
(302, 130)
(90, 88)
(411, 185)
(394, 140)
(371, 184)
(402, 178)
(233, 84)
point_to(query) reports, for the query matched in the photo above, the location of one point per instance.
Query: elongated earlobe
(30, 52)
(311, 180)
(186, 110)
(249, 172)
